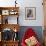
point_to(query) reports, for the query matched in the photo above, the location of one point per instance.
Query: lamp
(15, 30)
(15, 35)
(15, 3)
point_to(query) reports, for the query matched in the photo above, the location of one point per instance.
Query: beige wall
(44, 4)
(44, 12)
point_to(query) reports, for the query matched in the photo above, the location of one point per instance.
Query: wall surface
(26, 3)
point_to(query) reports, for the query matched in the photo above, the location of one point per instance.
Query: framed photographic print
(30, 13)
(5, 12)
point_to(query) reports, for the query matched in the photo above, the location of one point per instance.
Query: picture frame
(5, 12)
(13, 12)
(30, 13)
(5, 20)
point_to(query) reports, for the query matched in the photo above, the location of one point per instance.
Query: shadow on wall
(37, 29)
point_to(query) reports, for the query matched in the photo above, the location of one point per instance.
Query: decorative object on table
(15, 37)
(30, 38)
(30, 13)
(6, 21)
(13, 12)
(15, 3)
(0, 12)
(15, 34)
(0, 19)
(7, 34)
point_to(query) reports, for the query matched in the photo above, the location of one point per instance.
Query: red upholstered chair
(28, 34)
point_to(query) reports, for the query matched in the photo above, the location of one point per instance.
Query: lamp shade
(15, 30)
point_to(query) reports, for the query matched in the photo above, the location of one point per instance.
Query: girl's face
(31, 41)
